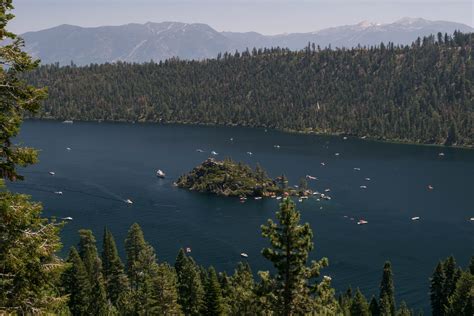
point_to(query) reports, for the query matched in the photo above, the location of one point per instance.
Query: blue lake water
(109, 163)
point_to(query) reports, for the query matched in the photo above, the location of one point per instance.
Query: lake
(111, 162)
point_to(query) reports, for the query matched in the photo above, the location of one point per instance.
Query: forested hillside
(421, 93)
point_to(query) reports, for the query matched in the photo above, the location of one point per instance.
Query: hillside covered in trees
(421, 93)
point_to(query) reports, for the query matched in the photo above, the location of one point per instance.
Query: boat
(276, 146)
(367, 179)
(311, 177)
(199, 150)
(214, 153)
(232, 139)
(323, 163)
(249, 153)
(52, 173)
(68, 122)
(363, 137)
(327, 190)
(345, 138)
(68, 148)
(58, 192)
(68, 218)
(128, 201)
(278, 197)
(326, 197)
(244, 255)
(300, 200)
(336, 154)
(441, 154)
(362, 222)
(258, 198)
(188, 249)
(430, 187)
(472, 219)
(160, 174)
(363, 187)
(357, 168)
(415, 218)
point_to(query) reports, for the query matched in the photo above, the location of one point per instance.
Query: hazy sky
(264, 16)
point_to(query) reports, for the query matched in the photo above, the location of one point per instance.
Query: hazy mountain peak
(142, 42)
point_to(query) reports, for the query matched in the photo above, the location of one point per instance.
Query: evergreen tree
(242, 299)
(452, 273)
(387, 292)
(291, 243)
(213, 298)
(471, 265)
(190, 288)
(437, 295)
(93, 266)
(77, 285)
(451, 139)
(29, 268)
(403, 310)
(461, 302)
(359, 306)
(17, 97)
(374, 307)
(165, 294)
(303, 185)
(116, 281)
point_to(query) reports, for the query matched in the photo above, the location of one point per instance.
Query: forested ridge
(421, 93)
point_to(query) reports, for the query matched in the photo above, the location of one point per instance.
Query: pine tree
(190, 288)
(77, 285)
(29, 268)
(93, 265)
(165, 294)
(140, 256)
(437, 295)
(213, 298)
(17, 97)
(242, 299)
(461, 302)
(403, 310)
(452, 273)
(291, 244)
(471, 265)
(374, 307)
(387, 292)
(359, 306)
(116, 281)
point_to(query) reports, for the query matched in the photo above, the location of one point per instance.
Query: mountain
(159, 41)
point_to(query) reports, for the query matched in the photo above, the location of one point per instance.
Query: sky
(263, 16)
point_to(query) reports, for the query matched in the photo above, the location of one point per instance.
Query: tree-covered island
(230, 178)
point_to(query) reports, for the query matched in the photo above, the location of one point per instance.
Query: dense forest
(420, 93)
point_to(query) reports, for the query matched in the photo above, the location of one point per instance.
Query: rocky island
(230, 178)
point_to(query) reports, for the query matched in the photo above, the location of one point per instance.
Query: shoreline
(284, 130)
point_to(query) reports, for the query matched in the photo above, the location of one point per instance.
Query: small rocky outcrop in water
(229, 178)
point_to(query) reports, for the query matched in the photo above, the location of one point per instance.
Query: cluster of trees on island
(230, 178)
(418, 93)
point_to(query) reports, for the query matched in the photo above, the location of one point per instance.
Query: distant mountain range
(159, 41)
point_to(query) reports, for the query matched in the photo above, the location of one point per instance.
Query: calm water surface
(109, 163)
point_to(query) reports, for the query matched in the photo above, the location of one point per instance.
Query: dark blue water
(109, 163)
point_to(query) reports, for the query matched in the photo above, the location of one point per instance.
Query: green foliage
(93, 266)
(16, 96)
(461, 302)
(403, 310)
(76, 284)
(190, 288)
(406, 93)
(116, 281)
(387, 292)
(359, 306)
(213, 302)
(437, 295)
(228, 178)
(241, 298)
(29, 268)
(374, 307)
(291, 243)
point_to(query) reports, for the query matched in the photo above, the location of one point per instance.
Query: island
(230, 178)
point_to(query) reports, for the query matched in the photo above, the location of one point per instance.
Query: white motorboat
(68, 122)
(244, 255)
(311, 177)
(67, 218)
(415, 218)
(363, 187)
(199, 150)
(258, 198)
(249, 153)
(58, 192)
(160, 174)
(362, 222)
(128, 201)
(52, 173)
(214, 153)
